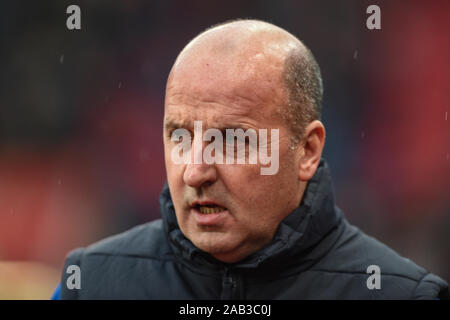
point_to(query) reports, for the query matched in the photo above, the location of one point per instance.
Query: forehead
(212, 92)
(182, 109)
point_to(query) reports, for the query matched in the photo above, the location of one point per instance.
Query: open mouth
(209, 213)
(209, 208)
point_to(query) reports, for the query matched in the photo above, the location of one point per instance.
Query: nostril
(196, 175)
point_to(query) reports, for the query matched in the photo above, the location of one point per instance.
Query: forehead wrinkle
(237, 113)
(232, 104)
(218, 120)
(239, 92)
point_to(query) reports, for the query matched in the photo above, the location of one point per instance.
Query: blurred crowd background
(81, 153)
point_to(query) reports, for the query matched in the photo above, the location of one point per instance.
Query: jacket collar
(297, 234)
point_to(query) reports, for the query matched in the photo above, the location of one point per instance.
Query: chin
(219, 247)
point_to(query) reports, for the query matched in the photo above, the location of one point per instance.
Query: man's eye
(177, 134)
(171, 135)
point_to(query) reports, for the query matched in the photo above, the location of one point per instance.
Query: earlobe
(313, 143)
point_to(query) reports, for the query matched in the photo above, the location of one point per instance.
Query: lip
(205, 203)
(209, 219)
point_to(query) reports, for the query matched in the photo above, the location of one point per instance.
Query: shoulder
(355, 255)
(117, 266)
(146, 241)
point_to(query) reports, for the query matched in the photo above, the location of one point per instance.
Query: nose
(197, 174)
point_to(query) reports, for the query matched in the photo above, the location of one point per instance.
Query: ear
(311, 150)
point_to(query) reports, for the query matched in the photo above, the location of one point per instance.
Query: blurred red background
(81, 153)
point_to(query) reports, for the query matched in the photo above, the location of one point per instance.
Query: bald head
(259, 58)
(241, 39)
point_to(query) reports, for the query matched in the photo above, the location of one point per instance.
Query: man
(228, 231)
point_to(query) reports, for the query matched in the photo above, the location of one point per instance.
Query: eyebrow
(234, 127)
(173, 124)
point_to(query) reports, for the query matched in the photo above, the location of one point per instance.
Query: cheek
(261, 198)
(250, 192)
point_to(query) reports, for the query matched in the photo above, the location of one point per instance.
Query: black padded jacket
(315, 254)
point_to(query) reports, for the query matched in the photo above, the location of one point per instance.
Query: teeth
(209, 210)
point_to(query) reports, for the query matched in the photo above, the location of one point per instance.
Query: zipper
(229, 285)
